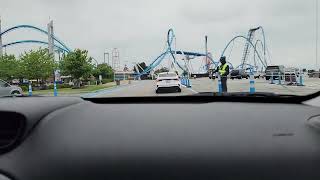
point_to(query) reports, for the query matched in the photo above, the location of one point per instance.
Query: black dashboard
(71, 138)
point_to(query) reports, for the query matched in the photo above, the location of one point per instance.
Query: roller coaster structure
(60, 46)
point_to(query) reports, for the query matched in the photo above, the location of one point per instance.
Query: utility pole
(1, 50)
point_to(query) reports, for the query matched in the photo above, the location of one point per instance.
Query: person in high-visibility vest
(223, 71)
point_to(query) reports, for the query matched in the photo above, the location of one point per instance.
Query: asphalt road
(147, 88)
(312, 85)
(140, 89)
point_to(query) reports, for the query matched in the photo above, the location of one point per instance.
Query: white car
(168, 81)
(7, 90)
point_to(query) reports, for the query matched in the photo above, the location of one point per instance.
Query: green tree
(9, 67)
(104, 70)
(37, 64)
(78, 65)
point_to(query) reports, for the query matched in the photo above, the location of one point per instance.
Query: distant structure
(115, 59)
(50, 38)
(125, 69)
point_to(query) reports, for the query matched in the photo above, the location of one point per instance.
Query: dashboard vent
(12, 126)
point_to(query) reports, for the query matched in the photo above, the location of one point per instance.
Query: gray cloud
(138, 27)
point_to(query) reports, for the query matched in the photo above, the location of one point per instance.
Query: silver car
(7, 90)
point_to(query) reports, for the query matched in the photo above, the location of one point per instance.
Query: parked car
(239, 74)
(8, 90)
(275, 72)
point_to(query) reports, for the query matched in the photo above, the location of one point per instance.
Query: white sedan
(168, 81)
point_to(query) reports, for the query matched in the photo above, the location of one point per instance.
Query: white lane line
(192, 90)
(108, 91)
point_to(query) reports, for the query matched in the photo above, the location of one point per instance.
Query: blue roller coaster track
(61, 49)
(170, 51)
(256, 53)
(61, 45)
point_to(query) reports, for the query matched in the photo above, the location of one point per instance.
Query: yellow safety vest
(222, 69)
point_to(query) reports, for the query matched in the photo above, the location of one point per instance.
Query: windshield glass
(120, 48)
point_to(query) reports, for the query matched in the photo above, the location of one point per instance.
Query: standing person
(223, 71)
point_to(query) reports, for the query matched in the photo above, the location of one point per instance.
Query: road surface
(147, 88)
(139, 89)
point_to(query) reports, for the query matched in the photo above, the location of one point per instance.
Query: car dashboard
(72, 138)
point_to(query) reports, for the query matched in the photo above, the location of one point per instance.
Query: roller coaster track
(61, 47)
(250, 44)
(34, 41)
(169, 51)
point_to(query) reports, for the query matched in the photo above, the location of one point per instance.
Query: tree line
(39, 65)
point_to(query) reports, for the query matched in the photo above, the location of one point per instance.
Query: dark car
(238, 74)
(275, 72)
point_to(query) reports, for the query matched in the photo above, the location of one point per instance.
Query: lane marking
(190, 89)
(107, 91)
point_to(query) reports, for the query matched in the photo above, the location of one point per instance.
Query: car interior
(185, 137)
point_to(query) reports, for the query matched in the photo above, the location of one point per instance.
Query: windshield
(120, 48)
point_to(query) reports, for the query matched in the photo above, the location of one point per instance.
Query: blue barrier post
(279, 77)
(30, 89)
(301, 79)
(271, 78)
(55, 92)
(252, 83)
(219, 85)
(188, 83)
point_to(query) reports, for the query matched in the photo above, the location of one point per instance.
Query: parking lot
(147, 88)
(311, 85)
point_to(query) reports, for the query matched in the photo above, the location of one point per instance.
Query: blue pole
(219, 85)
(55, 92)
(188, 82)
(252, 83)
(30, 89)
(301, 79)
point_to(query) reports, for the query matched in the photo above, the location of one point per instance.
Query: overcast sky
(139, 27)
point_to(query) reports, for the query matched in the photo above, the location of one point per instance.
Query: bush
(59, 86)
(92, 82)
(105, 81)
